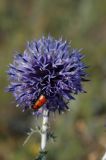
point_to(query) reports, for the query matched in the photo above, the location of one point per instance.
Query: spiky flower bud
(50, 68)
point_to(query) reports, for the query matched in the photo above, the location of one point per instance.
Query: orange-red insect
(39, 103)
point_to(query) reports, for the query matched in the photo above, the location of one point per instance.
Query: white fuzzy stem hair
(44, 130)
(104, 157)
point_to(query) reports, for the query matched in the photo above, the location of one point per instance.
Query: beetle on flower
(44, 79)
(50, 68)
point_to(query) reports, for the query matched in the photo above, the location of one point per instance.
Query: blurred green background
(81, 134)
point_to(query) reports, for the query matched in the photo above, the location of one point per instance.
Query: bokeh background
(81, 133)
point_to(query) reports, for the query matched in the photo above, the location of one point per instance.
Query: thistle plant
(44, 79)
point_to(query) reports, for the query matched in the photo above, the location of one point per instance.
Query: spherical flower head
(48, 67)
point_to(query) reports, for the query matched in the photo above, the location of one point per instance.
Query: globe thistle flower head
(48, 67)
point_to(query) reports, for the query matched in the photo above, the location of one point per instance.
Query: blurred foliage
(81, 132)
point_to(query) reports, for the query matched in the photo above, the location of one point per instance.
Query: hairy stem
(104, 157)
(44, 130)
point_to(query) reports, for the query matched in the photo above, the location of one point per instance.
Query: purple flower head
(47, 67)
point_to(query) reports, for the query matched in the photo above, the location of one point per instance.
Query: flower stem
(104, 157)
(44, 130)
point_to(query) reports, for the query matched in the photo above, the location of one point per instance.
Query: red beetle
(39, 103)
